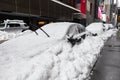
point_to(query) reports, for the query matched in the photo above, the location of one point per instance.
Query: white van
(13, 26)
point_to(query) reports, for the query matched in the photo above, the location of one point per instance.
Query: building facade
(91, 10)
(34, 10)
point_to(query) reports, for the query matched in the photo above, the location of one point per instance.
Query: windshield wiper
(44, 32)
(35, 27)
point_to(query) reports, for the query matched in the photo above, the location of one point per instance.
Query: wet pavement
(107, 66)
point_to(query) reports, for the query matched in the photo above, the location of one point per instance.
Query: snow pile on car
(60, 29)
(31, 57)
(108, 26)
(95, 28)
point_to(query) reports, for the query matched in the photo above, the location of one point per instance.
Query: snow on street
(30, 57)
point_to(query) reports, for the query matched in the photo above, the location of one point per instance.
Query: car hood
(55, 30)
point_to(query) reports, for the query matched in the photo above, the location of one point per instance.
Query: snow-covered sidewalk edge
(104, 37)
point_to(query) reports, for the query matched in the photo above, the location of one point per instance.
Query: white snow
(95, 28)
(108, 26)
(31, 57)
(5, 36)
(118, 3)
(10, 35)
(59, 29)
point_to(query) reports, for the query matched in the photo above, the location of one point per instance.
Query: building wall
(90, 11)
(22, 6)
(40, 8)
(7, 5)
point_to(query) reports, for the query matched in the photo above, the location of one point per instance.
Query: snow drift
(30, 57)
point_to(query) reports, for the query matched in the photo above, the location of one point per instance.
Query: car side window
(13, 25)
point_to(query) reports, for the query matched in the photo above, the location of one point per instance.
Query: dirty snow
(31, 57)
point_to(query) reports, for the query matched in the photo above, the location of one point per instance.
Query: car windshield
(2, 25)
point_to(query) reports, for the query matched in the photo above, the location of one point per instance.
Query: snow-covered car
(73, 32)
(96, 28)
(108, 26)
(38, 57)
(13, 26)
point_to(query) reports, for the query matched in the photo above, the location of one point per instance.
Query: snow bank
(26, 58)
(6, 36)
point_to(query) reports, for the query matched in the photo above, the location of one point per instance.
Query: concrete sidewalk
(108, 65)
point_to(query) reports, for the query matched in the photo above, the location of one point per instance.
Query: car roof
(14, 21)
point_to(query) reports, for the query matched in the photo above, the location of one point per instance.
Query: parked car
(108, 26)
(13, 26)
(73, 32)
(96, 28)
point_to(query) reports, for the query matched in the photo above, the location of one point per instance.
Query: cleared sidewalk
(108, 65)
